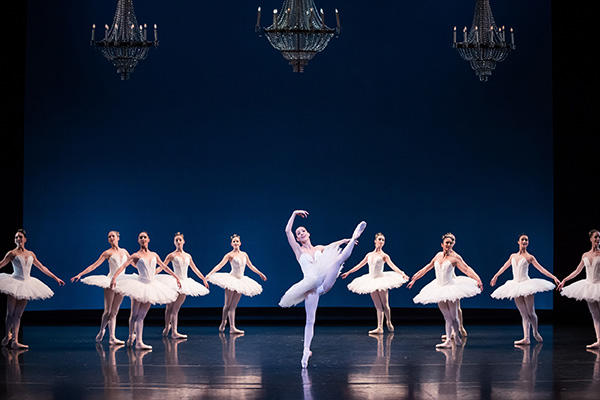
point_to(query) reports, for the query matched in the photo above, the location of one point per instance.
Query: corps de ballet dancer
(377, 282)
(446, 289)
(320, 266)
(522, 288)
(115, 256)
(20, 287)
(143, 289)
(189, 287)
(587, 289)
(235, 283)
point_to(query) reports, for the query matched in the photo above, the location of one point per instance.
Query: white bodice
(444, 272)
(238, 264)
(307, 262)
(592, 269)
(180, 265)
(114, 262)
(520, 268)
(376, 264)
(145, 271)
(22, 266)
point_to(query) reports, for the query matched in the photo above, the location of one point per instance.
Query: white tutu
(103, 281)
(144, 287)
(512, 288)
(368, 284)
(314, 270)
(29, 288)
(189, 287)
(446, 286)
(582, 290)
(243, 284)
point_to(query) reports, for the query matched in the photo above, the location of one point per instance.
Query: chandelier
(485, 44)
(298, 31)
(125, 42)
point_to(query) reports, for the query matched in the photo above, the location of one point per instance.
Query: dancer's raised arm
(356, 268)
(197, 272)
(290, 235)
(253, 268)
(501, 271)
(468, 271)
(45, 270)
(389, 262)
(567, 278)
(220, 265)
(543, 270)
(419, 274)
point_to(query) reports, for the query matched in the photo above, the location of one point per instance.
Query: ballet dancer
(320, 266)
(115, 256)
(522, 288)
(21, 287)
(461, 326)
(143, 289)
(189, 287)
(587, 289)
(446, 288)
(376, 282)
(234, 282)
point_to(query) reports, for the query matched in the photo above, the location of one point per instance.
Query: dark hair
(379, 234)
(235, 235)
(591, 233)
(523, 234)
(448, 235)
(146, 232)
(21, 230)
(177, 234)
(117, 232)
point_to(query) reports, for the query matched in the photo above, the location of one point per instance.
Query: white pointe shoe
(376, 331)
(115, 342)
(305, 356)
(359, 230)
(142, 346)
(235, 331)
(17, 345)
(390, 327)
(522, 342)
(444, 345)
(100, 336)
(177, 335)
(595, 345)
(538, 337)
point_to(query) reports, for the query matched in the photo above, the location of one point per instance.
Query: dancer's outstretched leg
(106, 314)
(448, 325)
(533, 319)
(175, 317)
(225, 313)
(234, 302)
(11, 304)
(311, 303)
(112, 322)
(20, 307)
(139, 327)
(385, 302)
(520, 302)
(379, 308)
(594, 307)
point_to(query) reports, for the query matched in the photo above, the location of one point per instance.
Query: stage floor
(65, 363)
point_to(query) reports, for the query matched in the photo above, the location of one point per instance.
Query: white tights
(136, 323)
(449, 310)
(381, 302)
(594, 307)
(232, 299)
(172, 316)
(526, 307)
(14, 311)
(112, 302)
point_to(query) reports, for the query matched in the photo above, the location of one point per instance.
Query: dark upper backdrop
(214, 134)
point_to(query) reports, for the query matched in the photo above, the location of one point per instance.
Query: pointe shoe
(595, 345)
(165, 332)
(390, 327)
(130, 341)
(6, 340)
(305, 356)
(444, 345)
(538, 337)
(522, 342)
(222, 327)
(177, 335)
(142, 346)
(17, 345)
(115, 342)
(376, 331)
(236, 331)
(457, 339)
(359, 230)
(463, 331)
(100, 336)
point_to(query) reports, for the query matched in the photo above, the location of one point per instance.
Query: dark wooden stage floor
(65, 363)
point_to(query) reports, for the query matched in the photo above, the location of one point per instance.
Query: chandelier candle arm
(337, 20)
(155, 34)
(93, 34)
(257, 26)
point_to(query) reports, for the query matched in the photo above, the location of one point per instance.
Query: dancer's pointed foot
(234, 330)
(100, 336)
(165, 331)
(444, 345)
(457, 339)
(390, 326)
(522, 342)
(177, 335)
(17, 345)
(142, 346)
(595, 345)
(6, 340)
(463, 331)
(376, 331)
(305, 356)
(115, 342)
(538, 337)
(359, 230)
(130, 341)
(222, 326)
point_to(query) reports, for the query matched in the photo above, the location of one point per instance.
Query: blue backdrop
(214, 134)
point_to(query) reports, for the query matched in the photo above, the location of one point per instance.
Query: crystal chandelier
(485, 44)
(298, 31)
(125, 43)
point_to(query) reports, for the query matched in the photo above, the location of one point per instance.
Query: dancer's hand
(556, 281)
(301, 213)
(263, 276)
(205, 283)
(113, 283)
(480, 284)
(560, 286)
(60, 282)
(410, 284)
(344, 275)
(75, 278)
(493, 281)
(178, 283)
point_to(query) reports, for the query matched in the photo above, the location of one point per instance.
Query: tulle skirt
(24, 289)
(313, 278)
(243, 285)
(189, 287)
(458, 288)
(512, 288)
(103, 281)
(146, 291)
(368, 284)
(582, 290)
